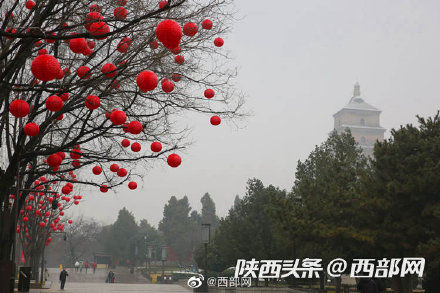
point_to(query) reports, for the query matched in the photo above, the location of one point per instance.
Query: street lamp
(206, 238)
(164, 259)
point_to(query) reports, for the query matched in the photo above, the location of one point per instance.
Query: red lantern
(45, 67)
(114, 167)
(70, 221)
(179, 59)
(92, 102)
(147, 81)
(218, 42)
(42, 52)
(132, 185)
(78, 46)
(75, 154)
(209, 93)
(54, 160)
(118, 117)
(54, 103)
(76, 163)
(215, 120)
(120, 13)
(125, 143)
(190, 29)
(98, 29)
(134, 127)
(122, 2)
(154, 45)
(62, 155)
(30, 4)
(83, 72)
(174, 160)
(103, 188)
(92, 17)
(176, 50)
(42, 224)
(76, 202)
(122, 172)
(31, 129)
(97, 170)
(176, 77)
(169, 33)
(162, 4)
(95, 7)
(207, 24)
(156, 147)
(168, 86)
(19, 108)
(135, 147)
(109, 70)
(60, 117)
(124, 44)
(64, 96)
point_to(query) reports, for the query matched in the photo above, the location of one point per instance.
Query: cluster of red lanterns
(46, 68)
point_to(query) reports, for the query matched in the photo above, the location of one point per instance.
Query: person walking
(63, 276)
(76, 266)
(46, 275)
(94, 267)
(86, 266)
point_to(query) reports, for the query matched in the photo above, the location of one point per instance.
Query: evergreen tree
(177, 227)
(404, 191)
(208, 211)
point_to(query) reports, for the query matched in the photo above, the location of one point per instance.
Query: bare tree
(52, 27)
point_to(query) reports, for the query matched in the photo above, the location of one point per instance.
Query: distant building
(362, 119)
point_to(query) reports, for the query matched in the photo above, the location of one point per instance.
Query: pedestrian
(81, 264)
(369, 285)
(109, 277)
(86, 266)
(94, 267)
(63, 276)
(46, 275)
(76, 266)
(113, 277)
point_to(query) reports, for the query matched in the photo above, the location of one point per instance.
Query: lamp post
(164, 259)
(206, 238)
(146, 255)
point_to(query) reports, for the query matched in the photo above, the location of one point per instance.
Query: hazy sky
(298, 63)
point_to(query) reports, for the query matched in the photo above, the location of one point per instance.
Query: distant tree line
(343, 204)
(127, 241)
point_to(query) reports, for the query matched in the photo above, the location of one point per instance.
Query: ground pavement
(80, 282)
(74, 287)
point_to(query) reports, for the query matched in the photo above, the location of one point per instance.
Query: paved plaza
(115, 288)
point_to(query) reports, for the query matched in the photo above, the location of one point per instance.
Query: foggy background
(298, 61)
